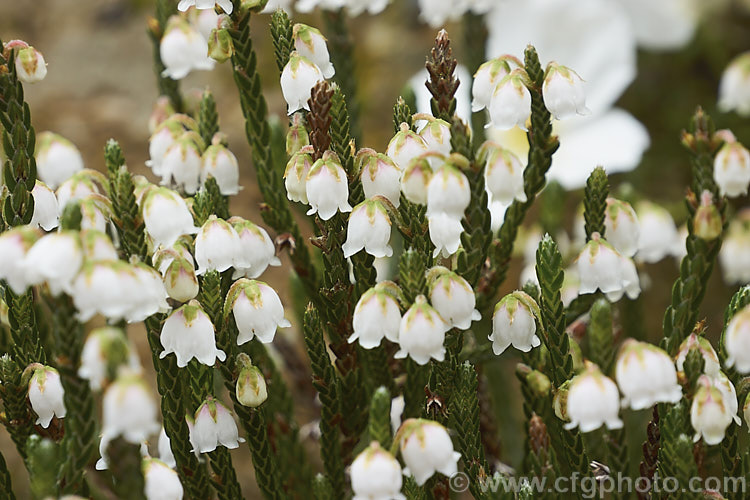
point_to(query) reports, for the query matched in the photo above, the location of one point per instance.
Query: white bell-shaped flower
(732, 169)
(452, 297)
(630, 283)
(297, 80)
(221, 164)
(15, 243)
(722, 382)
(129, 410)
(160, 481)
(426, 449)
(376, 475)
(327, 187)
(165, 449)
(57, 159)
(503, 174)
(593, 401)
(421, 333)
(183, 49)
(46, 212)
(189, 333)
(448, 193)
(182, 164)
(96, 212)
(46, 395)
(658, 233)
(257, 248)
(214, 426)
(357, 7)
(30, 64)
(622, 227)
(415, 179)
(711, 412)
(226, 6)
(486, 79)
(737, 341)
(437, 12)
(733, 256)
(734, 88)
(55, 259)
(164, 136)
(514, 322)
(380, 176)
(711, 366)
(600, 267)
(377, 315)
(436, 134)
(646, 376)
(369, 228)
(257, 310)
(311, 44)
(217, 247)
(510, 104)
(77, 188)
(563, 92)
(110, 288)
(295, 175)
(445, 234)
(166, 216)
(104, 352)
(251, 390)
(180, 280)
(405, 146)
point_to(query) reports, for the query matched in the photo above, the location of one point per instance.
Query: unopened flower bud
(296, 136)
(563, 92)
(180, 280)
(220, 46)
(732, 169)
(697, 342)
(30, 65)
(251, 386)
(510, 104)
(295, 175)
(297, 80)
(707, 223)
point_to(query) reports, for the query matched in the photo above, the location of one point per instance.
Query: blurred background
(101, 85)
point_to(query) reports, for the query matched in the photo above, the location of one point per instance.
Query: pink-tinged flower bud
(166, 216)
(217, 247)
(510, 104)
(55, 259)
(707, 222)
(445, 234)
(380, 176)
(46, 395)
(129, 410)
(30, 65)
(251, 390)
(734, 88)
(296, 136)
(732, 169)
(15, 244)
(214, 426)
(622, 227)
(593, 401)
(327, 187)
(162, 110)
(514, 322)
(297, 80)
(257, 248)
(415, 180)
(311, 44)
(452, 297)
(183, 49)
(658, 233)
(712, 410)
(436, 134)
(375, 474)
(295, 175)
(189, 333)
(181, 165)
(220, 46)
(711, 366)
(226, 5)
(646, 376)
(737, 341)
(448, 193)
(503, 174)
(486, 79)
(57, 159)
(405, 146)
(563, 92)
(421, 333)
(369, 228)
(221, 164)
(426, 449)
(180, 280)
(377, 315)
(46, 211)
(257, 310)
(733, 256)
(105, 352)
(161, 482)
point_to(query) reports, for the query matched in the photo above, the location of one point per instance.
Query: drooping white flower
(161, 110)
(380, 175)
(646, 375)
(129, 410)
(57, 159)
(166, 216)
(710, 413)
(217, 247)
(503, 174)
(711, 366)
(357, 7)
(452, 297)
(658, 232)
(436, 134)
(46, 395)
(377, 315)
(189, 333)
(437, 12)
(205, 20)
(104, 352)
(369, 228)
(221, 164)
(593, 401)
(226, 5)
(164, 136)
(46, 212)
(486, 79)
(257, 310)
(149, 296)
(445, 234)
(274, 5)
(421, 333)
(510, 104)
(448, 193)
(327, 187)
(77, 188)
(722, 382)
(214, 426)
(415, 179)
(630, 281)
(295, 175)
(109, 288)
(733, 256)
(563, 92)
(376, 475)
(165, 449)
(514, 322)
(14, 246)
(734, 88)
(181, 165)
(297, 80)
(161, 482)
(737, 341)
(405, 146)
(251, 390)
(311, 44)
(666, 25)
(306, 6)
(55, 259)
(257, 248)
(600, 267)
(622, 227)
(183, 49)
(30, 64)
(426, 449)
(732, 169)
